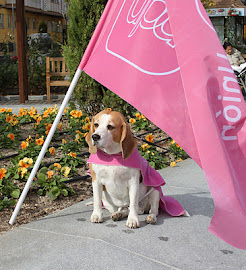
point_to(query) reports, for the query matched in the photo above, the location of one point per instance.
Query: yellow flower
(179, 160)
(52, 150)
(71, 154)
(64, 141)
(2, 173)
(152, 153)
(9, 110)
(132, 121)
(149, 138)
(66, 171)
(66, 109)
(29, 139)
(11, 136)
(173, 142)
(23, 171)
(24, 145)
(27, 160)
(173, 164)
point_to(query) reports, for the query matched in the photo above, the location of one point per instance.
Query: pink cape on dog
(150, 176)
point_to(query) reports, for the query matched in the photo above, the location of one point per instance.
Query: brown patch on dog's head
(88, 139)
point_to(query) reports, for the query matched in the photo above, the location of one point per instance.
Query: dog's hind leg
(154, 198)
(120, 214)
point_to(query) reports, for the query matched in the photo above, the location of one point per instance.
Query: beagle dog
(118, 186)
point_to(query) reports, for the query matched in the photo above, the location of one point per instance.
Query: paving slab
(68, 240)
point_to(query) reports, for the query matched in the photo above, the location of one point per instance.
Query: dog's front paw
(132, 222)
(151, 219)
(96, 218)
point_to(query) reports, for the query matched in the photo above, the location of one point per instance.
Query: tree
(83, 17)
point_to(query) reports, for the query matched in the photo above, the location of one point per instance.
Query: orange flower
(40, 141)
(48, 126)
(24, 145)
(3, 110)
(145, 146)
(138, 115)
(132, 121)
(23, 164)
(149, 138)
(60, 126)
(52, 150)
(50, 173)
(2, 173)
(11, 136)
(87, 126)
(58, 165)
(29, 139)
(87, 119)
(85, 134)
(76, 113)
(8, 118)
(71, 154)
(109, 109)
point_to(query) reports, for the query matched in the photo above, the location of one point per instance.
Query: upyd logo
(143, 27)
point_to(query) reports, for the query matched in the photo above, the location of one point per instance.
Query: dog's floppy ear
(88, 138)
(127, 142)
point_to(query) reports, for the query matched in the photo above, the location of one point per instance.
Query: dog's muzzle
(96, 137)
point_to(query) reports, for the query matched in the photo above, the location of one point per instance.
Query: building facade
(50, 12)
(229, 21)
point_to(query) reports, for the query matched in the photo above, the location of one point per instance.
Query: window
(28, 23)
(1, 21)
(53, 27)
(49, 26)
(9, 21)
(34, 24)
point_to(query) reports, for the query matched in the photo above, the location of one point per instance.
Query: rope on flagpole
(45, 145)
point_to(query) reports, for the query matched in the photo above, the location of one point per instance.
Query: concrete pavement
(39, 102)
(68, 240)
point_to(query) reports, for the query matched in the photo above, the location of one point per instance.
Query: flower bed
(21, 139)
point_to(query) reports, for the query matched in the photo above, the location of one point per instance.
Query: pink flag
(164, 58)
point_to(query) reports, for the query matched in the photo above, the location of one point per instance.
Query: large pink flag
(164, 58)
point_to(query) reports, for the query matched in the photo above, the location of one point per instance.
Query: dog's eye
(96, 125)
(110, 127)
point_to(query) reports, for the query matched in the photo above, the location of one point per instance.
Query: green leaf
(40, 192)
(64, 192)
(43, 170)
(42, 177)
(54, 193)
(15, 193)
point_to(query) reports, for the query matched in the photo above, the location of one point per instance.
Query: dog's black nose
(96, 137)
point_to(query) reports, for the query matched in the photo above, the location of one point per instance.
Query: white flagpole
(45, 146)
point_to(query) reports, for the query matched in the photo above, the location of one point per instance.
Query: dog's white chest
(117, 180)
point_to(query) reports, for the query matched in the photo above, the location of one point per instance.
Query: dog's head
(111, 133)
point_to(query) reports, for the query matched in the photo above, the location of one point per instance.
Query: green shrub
(8, 72)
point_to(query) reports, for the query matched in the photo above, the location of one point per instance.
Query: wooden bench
(55, 67)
